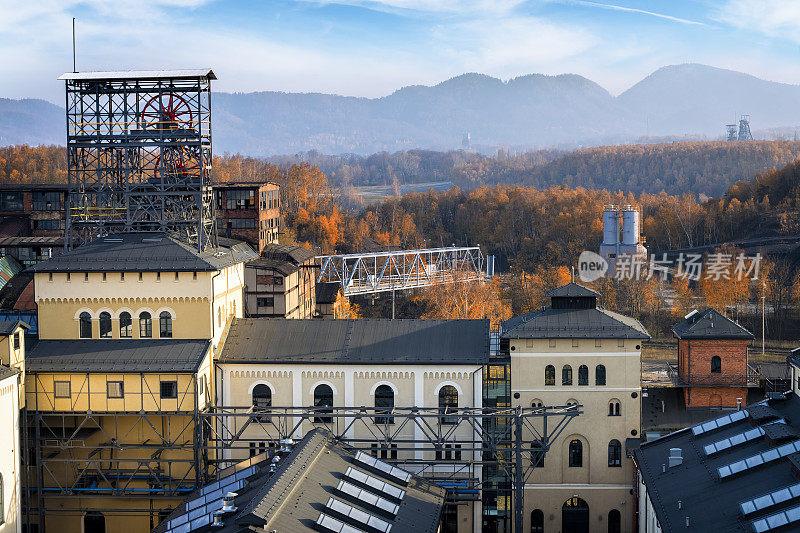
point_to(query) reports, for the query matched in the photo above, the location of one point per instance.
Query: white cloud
(774, 18)
(430, 6)
(614, 7)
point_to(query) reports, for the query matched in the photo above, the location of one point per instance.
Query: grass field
(377, 193)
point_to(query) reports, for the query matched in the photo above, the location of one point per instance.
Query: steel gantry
(370, 273)
(139, 154)
(449, 447)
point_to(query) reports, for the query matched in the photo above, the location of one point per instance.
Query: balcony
(752, 378)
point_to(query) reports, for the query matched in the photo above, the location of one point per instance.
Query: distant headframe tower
(139, 154)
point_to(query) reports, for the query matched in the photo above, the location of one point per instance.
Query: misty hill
(566, 111)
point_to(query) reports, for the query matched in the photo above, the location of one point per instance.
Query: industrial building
(735, 472)
(622, 234)
(249, 212)
(574, 352)
(281, 283)
(332, 487)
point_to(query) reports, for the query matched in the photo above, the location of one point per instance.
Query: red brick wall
(694, 357)
(714, 396)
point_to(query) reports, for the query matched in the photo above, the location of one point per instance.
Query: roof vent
(675, 457)
(227, 502)
(691, 314)
(286, 445)
(217, 521)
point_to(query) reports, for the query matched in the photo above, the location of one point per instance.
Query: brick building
(712, 360)
(32, 220)
(248, 211)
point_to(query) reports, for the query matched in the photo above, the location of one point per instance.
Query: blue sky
(371, 47)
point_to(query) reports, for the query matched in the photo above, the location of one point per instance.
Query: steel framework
(370, 273)
(139, 154)
(450, 447)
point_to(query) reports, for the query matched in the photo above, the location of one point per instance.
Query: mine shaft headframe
(139, 154)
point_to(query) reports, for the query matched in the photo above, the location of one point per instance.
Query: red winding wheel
(167, 111)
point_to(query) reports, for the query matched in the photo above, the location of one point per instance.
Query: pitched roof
(327, 292)
(314, 477)
(8, 327)
(549, 323)
(116, 355)
(724, 469)
(572, 290)
(287, 252)
(145, 252)
(140, 74)
(358, 341)
(709, 324)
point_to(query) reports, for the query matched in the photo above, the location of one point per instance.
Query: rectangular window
(47, 201)
(169, 389)
(176, 276)
(11, 201)
(52, 224)
(50, 276)
(115, 389)
(552, 343)
(265, 302)
(240, 199)
(529, 343)
(122, 276)
(61, 389)
(85, 276)
(16, 340)
(194, 276)
(140, 276)
(242, 223)
(574, 343)
(68, 276)
(621, 343)
(104, 276)
(598, 343)
(158, 276)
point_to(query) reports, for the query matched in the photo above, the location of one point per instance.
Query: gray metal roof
(7, 371)
(287, 252)
(359, 341)
(712, 502)
(116, 355)
(8, 327)
(326, 292)
(710, 324)
(140, 74)
(572, 290)
(283, 267)
(144, 252)
(549, 323)
(308, 477)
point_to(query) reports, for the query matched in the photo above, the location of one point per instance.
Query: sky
(370, 48)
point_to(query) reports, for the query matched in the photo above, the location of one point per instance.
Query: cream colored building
(12, 346)
(575, 352)
(273, 364)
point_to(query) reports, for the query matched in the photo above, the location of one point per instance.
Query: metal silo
(610, 225)
(630, 225)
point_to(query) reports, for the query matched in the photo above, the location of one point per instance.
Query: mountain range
(533, 111)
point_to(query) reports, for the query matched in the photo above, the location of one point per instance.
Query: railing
(750, 379)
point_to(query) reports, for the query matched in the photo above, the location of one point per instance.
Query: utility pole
(763, 313)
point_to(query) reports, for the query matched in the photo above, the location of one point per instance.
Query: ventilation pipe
(675, 457)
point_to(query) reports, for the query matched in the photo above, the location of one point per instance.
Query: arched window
(262, 401)
(600, 375)
(384, 404)
(537, 403)
(145, 325)
(94, 522)
(716, 365)
(125, 325)
(549, 375)
(575, 453)
(448, 403)
(613, 408)
(572, 401)
(537, 521)
(583, 375)
(614, 521)
(566, 375)
(105, 325)
(614, 453)
(165, 325)
(323, 397)
(85, 325)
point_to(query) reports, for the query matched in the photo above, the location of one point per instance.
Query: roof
(242, 184)
(7, 372)
(144, 252)
(597, 323)
(283, 267)
(116, 355)
(572, 290)
(140, 74)
(709, 324)
(8, 327)
(327, 292)
(26, 187)
(28, 240)
(326, 482)
(357, 341)
(287, 252)
(726, 464)
(12, 291)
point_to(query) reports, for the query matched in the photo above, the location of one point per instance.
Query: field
(374, 194)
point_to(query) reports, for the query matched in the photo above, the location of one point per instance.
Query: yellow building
(575, 352)
(267, 367)
(128, 328)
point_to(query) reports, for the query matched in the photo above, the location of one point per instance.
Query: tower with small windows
(712, 360)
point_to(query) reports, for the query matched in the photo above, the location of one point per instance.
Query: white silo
(610, 225)
(630, 225)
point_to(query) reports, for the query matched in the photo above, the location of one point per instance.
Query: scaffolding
(139, 154)
(449, 447)
(371, 273)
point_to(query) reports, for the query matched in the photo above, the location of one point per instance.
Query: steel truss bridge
(449, 447)
(370, 273)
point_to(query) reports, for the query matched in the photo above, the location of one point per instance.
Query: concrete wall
(603, 487)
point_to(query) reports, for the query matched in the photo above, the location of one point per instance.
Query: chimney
(687, 521)
(675, 457)
(738, 404)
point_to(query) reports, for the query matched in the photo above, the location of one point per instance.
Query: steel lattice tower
(139, 154)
